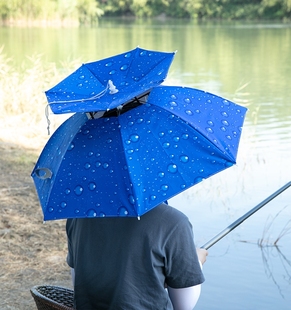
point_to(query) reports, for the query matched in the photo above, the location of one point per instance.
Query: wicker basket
(48, 297)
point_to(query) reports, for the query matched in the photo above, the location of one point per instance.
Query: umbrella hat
(126, 165)
(111, 82)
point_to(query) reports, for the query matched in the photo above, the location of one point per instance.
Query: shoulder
(167, 218)
(74, 225)
(169, 213)
(162, 216)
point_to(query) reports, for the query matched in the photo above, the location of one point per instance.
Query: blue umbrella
(111, 82)
(126, 164)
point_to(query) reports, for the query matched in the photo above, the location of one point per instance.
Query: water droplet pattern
(127, 165)
(216, 118)
(132, 73)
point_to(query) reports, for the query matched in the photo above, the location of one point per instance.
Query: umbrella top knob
(112, 87)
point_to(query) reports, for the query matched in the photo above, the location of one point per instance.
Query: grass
(23, 102)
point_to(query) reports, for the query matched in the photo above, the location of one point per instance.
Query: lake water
(248, 63)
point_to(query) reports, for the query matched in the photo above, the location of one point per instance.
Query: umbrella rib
(97, 96)
(93, 74)
(127, 164)
(231, 158)
(102, 93)
(225, 154)
(150, 69)
(126, 107)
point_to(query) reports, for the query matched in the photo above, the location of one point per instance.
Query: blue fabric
(217, 119)
(132, 73)
(128, 164)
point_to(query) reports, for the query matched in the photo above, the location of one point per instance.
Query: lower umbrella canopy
(126, 165)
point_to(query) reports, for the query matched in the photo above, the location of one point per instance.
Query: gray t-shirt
(124, 263)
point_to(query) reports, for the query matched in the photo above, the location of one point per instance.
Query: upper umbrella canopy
(125, 165)
(106, 84)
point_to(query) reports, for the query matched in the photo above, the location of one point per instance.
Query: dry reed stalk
(266, 239)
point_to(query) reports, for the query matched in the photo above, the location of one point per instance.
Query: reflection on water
(273, 258)
(244, 62)
(277, 264)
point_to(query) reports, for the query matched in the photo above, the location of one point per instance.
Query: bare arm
(186, 298)
(201, 253)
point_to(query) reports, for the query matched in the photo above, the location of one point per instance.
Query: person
(129, 263)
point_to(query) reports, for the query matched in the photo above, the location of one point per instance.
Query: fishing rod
(236, 223)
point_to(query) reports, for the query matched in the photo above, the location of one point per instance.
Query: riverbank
(41, 23)
(31, 252)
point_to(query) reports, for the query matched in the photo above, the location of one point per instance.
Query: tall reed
(22, 98)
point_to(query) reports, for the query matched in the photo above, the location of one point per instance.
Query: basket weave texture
(48, 297)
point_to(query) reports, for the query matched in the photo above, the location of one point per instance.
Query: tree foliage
(88, 11)
(200, 9)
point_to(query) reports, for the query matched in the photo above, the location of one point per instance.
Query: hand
(201, 253)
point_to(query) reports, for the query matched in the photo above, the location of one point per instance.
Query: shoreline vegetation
(29, 253)
(74, 13)
(20, 88)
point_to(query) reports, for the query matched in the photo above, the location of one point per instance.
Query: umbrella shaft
(236, 223)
